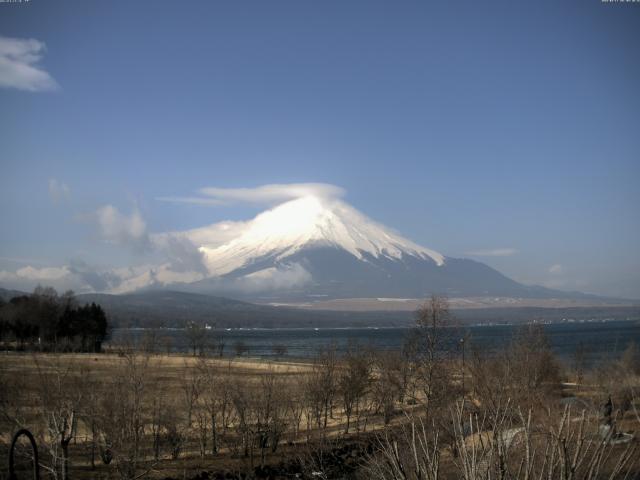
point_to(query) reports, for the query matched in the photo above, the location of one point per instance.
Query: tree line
(47, 321)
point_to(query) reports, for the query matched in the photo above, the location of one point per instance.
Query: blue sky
(502, 131)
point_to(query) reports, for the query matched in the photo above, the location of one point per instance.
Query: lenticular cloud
(263, 195)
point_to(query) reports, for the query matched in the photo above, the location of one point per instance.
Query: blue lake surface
(606, 339)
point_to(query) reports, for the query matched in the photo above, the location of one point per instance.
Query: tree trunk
(65, 459)
(93, 444)
(156, 443)
(348, 414)
(326, 415)
(214, 435)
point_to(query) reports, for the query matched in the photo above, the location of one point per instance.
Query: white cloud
(285, 276)
(184, 256)
(27, 278)
(77, 275)
(91, 278)
(84, 278)
(121, 229)
(210, 236)
(48, 273)
(131, 279)
(58, 191)
(556, 269)
(18, 65)
(263, 195)
(494, 252)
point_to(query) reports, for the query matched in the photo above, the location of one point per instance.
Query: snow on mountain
(310, 222)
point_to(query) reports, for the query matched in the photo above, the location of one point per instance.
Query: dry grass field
(366, 414)
(173, 388)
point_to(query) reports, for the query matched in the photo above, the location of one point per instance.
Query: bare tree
(354, 379)
(199, 337)
(202, 427)
(388, 385)
(151, 340)
(59, 402)
(414, 454)
(89, 385)
(270, 411)
(630, 360)
(535, 369)
(158, 411)
(579, 363)
(296, 405)
(216, 399)
(504, 448)
(175, 431)
(432, 348)
(191, 384)
(321, 386)
(122, 422)
(242, 399)
(167, 344)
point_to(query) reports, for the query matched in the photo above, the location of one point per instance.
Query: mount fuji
(316, 248)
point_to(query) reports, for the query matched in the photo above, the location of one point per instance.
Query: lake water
(600, 339)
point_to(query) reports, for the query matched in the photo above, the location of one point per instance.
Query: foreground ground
(132, 415)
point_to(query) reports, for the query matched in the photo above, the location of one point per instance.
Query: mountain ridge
(174, 309)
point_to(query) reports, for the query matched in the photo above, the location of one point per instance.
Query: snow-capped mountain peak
(311, 221)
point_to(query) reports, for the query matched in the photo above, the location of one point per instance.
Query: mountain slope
(174, 309)
(331, 272)
(311, 247)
